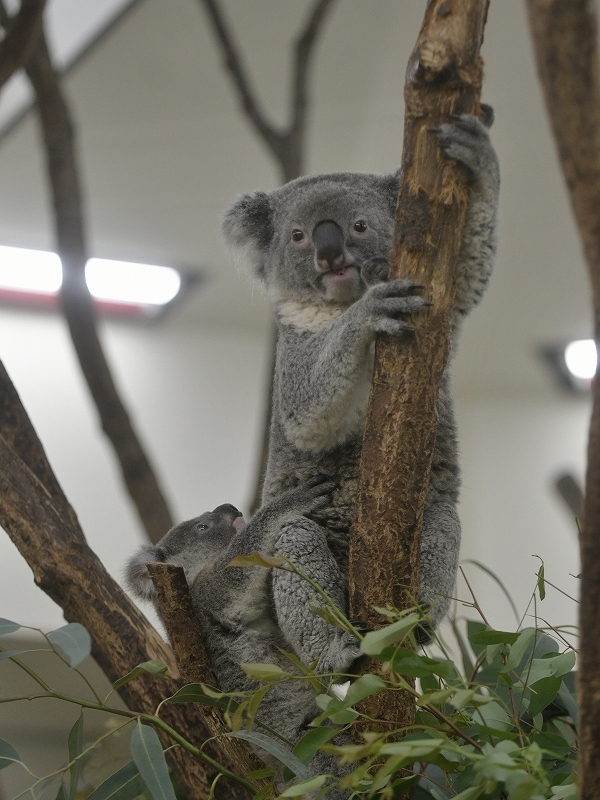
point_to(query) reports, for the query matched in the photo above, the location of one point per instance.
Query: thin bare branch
(21, 36)
(77, 304)
(233, 63)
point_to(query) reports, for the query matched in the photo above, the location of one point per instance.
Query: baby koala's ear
(137, 578)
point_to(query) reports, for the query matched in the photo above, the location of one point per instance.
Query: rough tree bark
(21, 36)
(566, 48)
(443, 77)
(38, 518)
(76, 301)
(287, 146)
(177, 613)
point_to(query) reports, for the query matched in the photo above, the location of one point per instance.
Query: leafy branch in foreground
(502, 724)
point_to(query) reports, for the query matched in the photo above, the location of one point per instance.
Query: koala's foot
(467, 140)
(386, 304)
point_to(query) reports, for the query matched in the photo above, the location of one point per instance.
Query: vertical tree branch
(566, 48)
(21, 36)
(443, 77)
(77, 303)
(38, 518)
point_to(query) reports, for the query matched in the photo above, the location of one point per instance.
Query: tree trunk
(77, 304)
(41, 523)
(565, 41)
(443, 77)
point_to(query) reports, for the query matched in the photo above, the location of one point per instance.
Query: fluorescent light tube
(39, 273)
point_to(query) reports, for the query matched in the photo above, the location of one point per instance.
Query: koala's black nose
(328, 239)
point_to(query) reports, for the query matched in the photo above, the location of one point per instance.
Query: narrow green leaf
(126, 784)
(525, 789)
(308, 745)
(149, 758)
(490, 636)
(376, 641)
(8, 626)
(263, 672)
(75, 743)
(407, 662)
(199, 693)
(62, 792)
(153, 667)
(8, 754)
(276, 749)
(365, 686)
(470, 794)
(541, 583)
(303, 788)
(259, 774)
(568, 699)
(517, 650)
(543, 693)
(495, 578)
(547, 667)
(492, 715)
(73, 640)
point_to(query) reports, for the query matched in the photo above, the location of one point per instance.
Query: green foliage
(499, 723)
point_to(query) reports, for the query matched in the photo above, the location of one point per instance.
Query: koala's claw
(360, 625)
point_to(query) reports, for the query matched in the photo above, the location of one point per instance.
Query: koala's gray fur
(246, 614)
(321, 246)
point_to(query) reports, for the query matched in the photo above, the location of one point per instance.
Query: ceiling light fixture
(34, 277)
(581, 358)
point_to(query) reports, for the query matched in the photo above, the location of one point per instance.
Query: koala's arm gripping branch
(443, 77)
(36, 515)
(566, 49)
(21, 35)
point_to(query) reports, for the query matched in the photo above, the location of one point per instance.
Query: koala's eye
(201, 527)
(297, 235)
(360, 225)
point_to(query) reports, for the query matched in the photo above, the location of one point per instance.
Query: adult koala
(321, 246)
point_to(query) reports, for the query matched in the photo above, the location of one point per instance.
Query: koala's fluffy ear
(136, 574)
(248, 226)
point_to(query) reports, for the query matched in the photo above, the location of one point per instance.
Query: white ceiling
(163, 150)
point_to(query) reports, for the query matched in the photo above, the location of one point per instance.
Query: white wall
(196, 398)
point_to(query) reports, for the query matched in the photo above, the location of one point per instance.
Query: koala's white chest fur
(346, 418)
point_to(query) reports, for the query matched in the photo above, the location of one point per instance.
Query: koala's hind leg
(312, 638)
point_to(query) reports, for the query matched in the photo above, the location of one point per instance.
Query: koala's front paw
(315, 493)
(467, 140)
(387, 303)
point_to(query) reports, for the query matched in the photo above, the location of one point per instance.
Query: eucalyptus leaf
(549, 666)
(75, 744)
(301, 789)
(364, 687)
(263, 672)
(153, 667)
(492, 715)
(490, 636)
(276, 749)
(308, 745)
(8, 754)
(73, 640)
(376, 641)
(199, 693)
(126, 784)
(518, 648)
(543, 693)
(8, 626)
(149, 758)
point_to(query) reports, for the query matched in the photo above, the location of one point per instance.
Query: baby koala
(247, 613)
